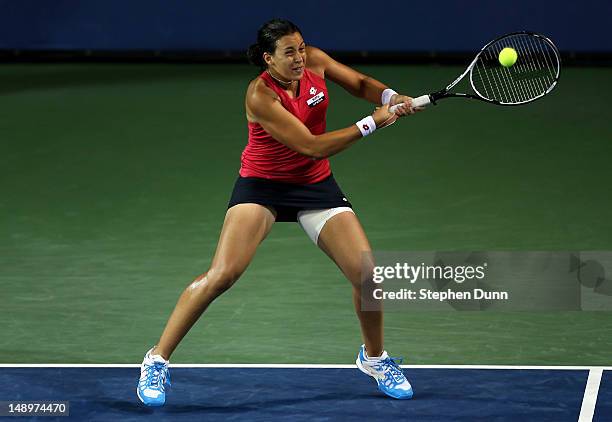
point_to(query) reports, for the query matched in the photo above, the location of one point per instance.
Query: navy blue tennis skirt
(288, 199)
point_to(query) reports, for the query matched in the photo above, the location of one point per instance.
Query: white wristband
(366, 126)
(386, 96)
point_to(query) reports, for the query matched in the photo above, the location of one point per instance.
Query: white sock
(155, 357)
(365, 352)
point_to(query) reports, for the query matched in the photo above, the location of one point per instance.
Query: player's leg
(343, 239)
(245, 226)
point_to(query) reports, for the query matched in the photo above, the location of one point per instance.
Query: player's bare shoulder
(258, 97)
(317, 60)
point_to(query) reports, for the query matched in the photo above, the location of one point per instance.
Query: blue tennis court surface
(603, 411)
(312, 394)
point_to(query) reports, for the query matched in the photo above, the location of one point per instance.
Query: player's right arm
(263, 106)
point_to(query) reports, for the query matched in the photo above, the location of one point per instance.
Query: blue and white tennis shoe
(154, 374)
(387, 373)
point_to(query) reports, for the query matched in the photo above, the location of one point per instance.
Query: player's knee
(360, 272)
(217, 279)
(223, 277)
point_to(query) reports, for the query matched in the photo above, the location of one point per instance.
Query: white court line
(590, 395)
(298, 365)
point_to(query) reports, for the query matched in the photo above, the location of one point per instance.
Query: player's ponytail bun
(267, 35)
(255, 56)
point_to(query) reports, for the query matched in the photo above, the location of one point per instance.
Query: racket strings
(533, 75)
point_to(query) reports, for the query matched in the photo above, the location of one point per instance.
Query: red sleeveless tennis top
(267, 158)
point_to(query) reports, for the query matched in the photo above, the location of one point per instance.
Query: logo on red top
(313, 101)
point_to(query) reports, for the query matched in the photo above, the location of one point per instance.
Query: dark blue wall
(441, 25)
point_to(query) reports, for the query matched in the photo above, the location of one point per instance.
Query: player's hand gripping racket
(532, 74)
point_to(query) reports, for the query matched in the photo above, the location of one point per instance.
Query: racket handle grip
(422, 101)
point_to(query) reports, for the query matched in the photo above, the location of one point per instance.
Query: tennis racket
(534, 74)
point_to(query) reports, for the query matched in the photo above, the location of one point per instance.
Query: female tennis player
(285, 176)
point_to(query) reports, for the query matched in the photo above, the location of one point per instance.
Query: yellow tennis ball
(507, 57)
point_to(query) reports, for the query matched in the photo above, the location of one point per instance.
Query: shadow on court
(133, 406)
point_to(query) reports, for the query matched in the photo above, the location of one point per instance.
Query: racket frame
(445, 93)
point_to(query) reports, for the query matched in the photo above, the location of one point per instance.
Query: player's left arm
(356, 83)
